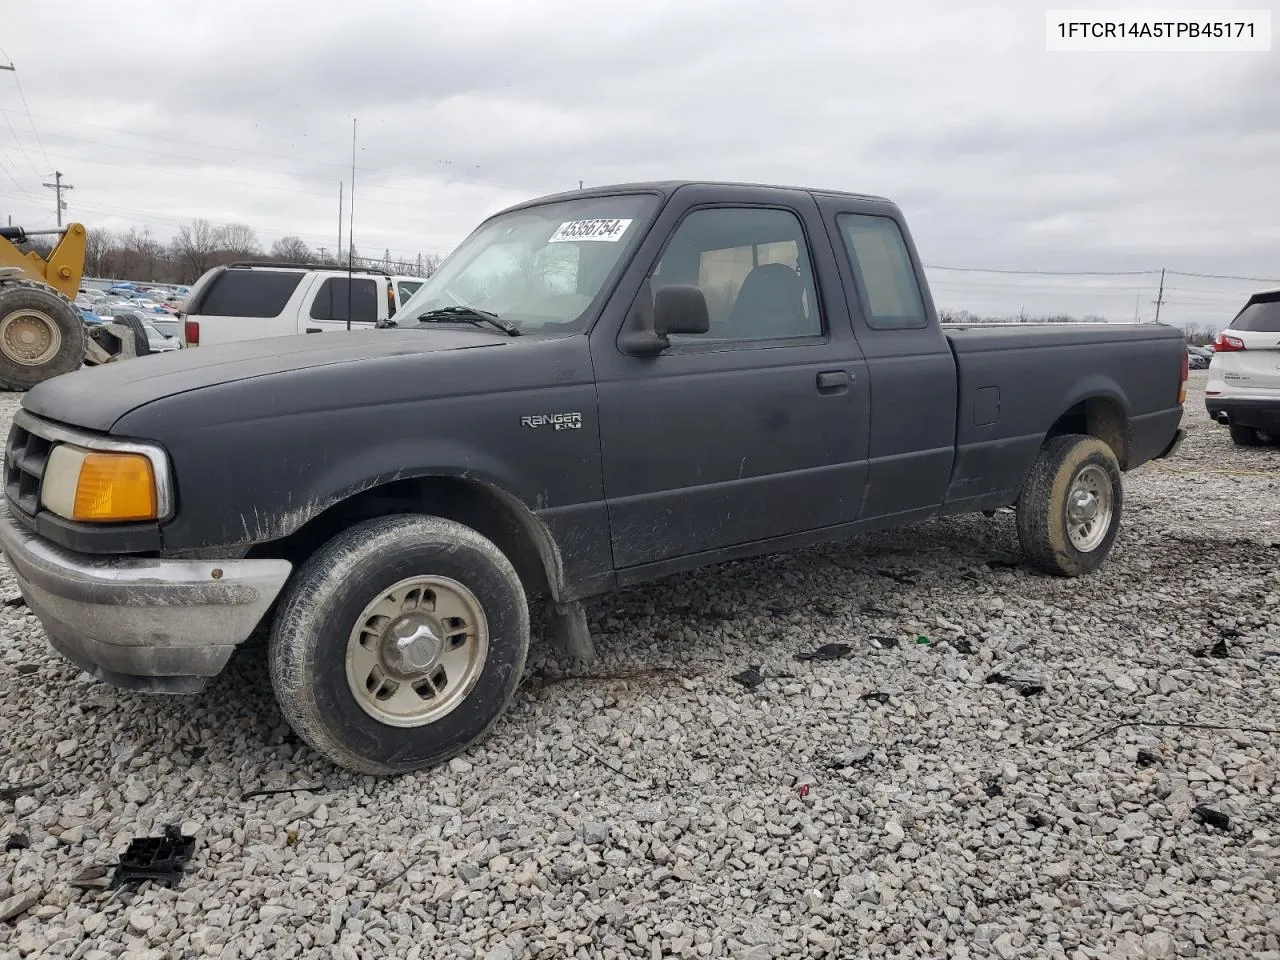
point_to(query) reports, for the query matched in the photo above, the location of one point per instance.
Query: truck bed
(1016, 380)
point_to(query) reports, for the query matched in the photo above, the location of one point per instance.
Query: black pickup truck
(596, 389)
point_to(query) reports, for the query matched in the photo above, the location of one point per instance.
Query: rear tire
(41, 334)
(399, 644)
(1244, 436)
(1070, 506)
(141, 342)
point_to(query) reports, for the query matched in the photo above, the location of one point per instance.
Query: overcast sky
(1001, 154)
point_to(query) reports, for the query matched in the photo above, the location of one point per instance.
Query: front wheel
(399, 644)
(1070, 505)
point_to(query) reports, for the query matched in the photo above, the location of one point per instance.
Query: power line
(26, 106)
(1218, 276)
(1049, 273)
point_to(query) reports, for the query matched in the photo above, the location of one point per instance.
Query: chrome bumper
(163, 626)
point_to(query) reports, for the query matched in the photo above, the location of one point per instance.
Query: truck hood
(96, 397)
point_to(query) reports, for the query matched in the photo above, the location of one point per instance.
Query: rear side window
(249, 293)
(331, 300)
(408, 288)
(1263, 317)
(882, 267)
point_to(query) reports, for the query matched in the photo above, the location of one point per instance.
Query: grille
(24, 463)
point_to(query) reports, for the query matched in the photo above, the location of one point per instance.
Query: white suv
(1244, 376)
(245, 301)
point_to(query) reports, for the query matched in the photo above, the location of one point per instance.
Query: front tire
(1244, 436)
(1070, 506)
(399, 644)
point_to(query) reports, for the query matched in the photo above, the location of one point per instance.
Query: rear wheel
(1070, 505)
(399, 644)
(41, 334)
(1244, 436)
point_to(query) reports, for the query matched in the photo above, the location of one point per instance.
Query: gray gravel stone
(895, 850)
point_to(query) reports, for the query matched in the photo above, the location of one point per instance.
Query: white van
(245, 301)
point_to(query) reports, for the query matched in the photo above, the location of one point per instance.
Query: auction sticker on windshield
(610, 231)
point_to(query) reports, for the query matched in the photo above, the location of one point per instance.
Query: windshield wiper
(469, 315)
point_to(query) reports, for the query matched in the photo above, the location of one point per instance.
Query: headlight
(97, 486)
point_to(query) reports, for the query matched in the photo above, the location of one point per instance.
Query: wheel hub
(29, 337)
(1090, 508)
(1084, 506)
(416, 650)
(412, 645)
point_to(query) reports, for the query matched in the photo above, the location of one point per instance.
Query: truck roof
(668, 187)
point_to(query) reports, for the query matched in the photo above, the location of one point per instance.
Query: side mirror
(680, 309)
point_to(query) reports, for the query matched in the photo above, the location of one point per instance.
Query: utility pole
(339, 218)
(1160, 295)
(579, 184)
(57, 187)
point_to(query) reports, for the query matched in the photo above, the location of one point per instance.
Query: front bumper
(1259, 414)
(162, 626)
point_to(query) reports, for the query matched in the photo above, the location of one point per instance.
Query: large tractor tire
(41, 334)
(141, 342)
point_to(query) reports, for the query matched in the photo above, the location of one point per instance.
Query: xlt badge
(559, 421)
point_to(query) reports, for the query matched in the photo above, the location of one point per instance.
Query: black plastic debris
(908, 578)
(18, 790)
(828, 651)
(1212, 818)
(750, 677)
(962, 645)
(884, 643)
(993, 789)
(875, 696)
(1218, 651)
(1147, 759)
(273, 791)
(18, 601)
(17, 841)
(1038, 821)
(1028, 688)
(158, 859)
(27, 669)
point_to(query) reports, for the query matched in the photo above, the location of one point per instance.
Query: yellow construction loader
(42, 333)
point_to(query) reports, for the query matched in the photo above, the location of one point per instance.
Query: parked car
(168, 327)
(1196, 360)
(1243, 389)
(247, 301)
(160, 341)
(680, 374)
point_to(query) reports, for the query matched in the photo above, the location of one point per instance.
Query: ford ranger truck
(596, 389)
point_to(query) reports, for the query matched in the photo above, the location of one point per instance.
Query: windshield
(539, 268)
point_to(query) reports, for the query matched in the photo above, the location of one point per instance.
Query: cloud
(1001, 154)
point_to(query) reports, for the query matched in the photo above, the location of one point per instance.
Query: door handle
(833, 381)
(315, 330)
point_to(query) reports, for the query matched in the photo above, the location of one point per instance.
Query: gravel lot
(659, 808)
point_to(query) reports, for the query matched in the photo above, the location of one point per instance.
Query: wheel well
(1098, 417)
(490, 512)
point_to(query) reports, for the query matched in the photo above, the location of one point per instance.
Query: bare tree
(98, 247)
(238, 239)
(195, 245)
(291, 250)
(143, 250)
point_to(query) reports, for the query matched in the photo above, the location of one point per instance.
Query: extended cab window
(882, 267)
(331, 300)
(752, 265)
(249, 293)
(407, 288)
